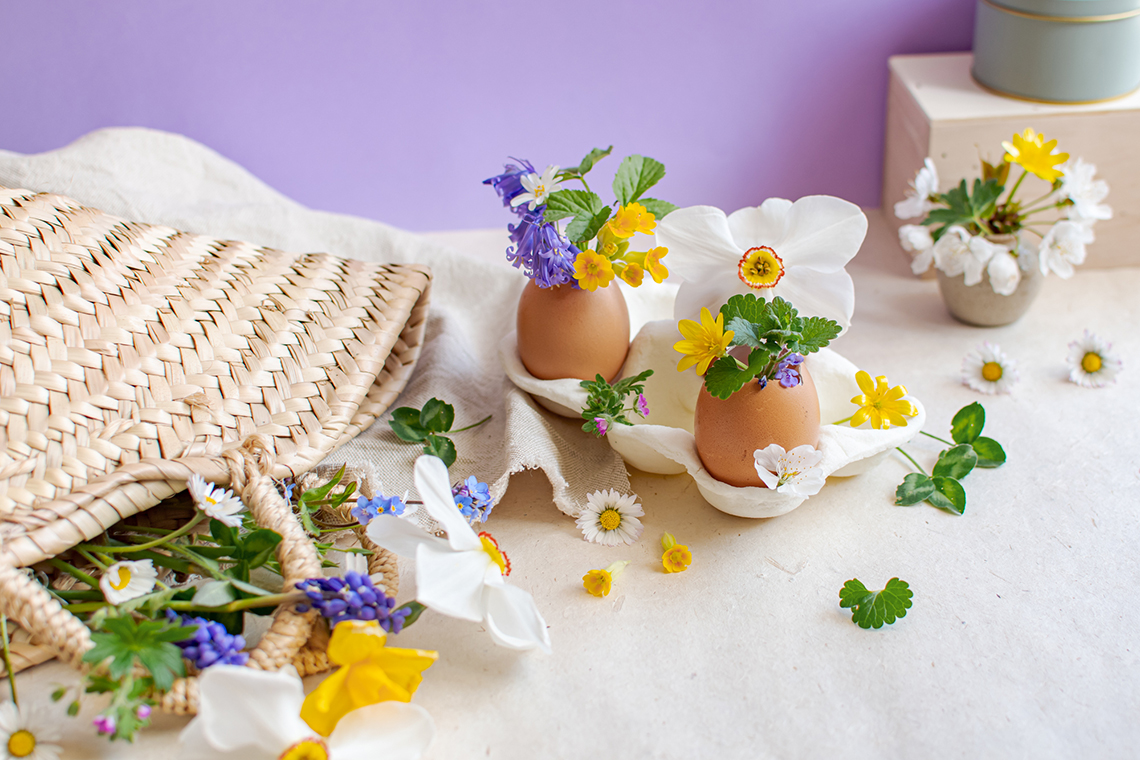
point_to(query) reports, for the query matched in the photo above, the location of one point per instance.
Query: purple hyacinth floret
(787, 371)
(473, 499)
(352, 597)
(212, 644)
(366, 509)
(509, 184)
(540, 252)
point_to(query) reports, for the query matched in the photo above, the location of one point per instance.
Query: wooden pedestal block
(935, 109)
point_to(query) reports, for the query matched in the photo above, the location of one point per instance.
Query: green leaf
(873, 609)
(593, 157)
(968, 423)
(164, 663)
(407, 415)
(437, 416)
(223, 534)
(442, 447)
(73, 709)
(725, 377)
(407, 432)
(585, 228)
(563, 203)
(659, 209)
(990, 453)
(747, 307)
(915, 487)
(817, 332)
(948, 495)
(416, 608)
(636, 175)
(985, 197)
(783, 312)
(214, 594)
(956, 463)
(249, 588)
(744, 333)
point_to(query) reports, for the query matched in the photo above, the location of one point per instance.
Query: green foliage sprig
(873, 609)
(608, 402)
(427, 426)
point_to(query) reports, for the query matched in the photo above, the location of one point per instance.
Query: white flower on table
(1092, 363)
(461, 576)
(610, 518)
(127, 580)
(28, 732)
(219, 504)
(247, 714)
(796, 251)
(988, 370)
(1086, 193)
(796, 472)
(538, 188)
(917, 201)
(1064, 247)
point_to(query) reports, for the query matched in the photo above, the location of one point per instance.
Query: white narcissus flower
(462, 575)
(610, 518)
(917, 202)
(917, 239)
(126, 580)
(1092, 363)
(1063, 248)
(537, 188)
(796, 251)
(219, 504)
(988, 370)
(247, 714)
(26, 732)
(1086, 193)
(793, 472)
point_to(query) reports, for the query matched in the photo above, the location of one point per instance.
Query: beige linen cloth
(150, 176)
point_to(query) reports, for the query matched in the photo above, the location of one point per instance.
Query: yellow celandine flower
(1030, 150)
(598, 582)
(677, 557)
(653, 263)
(632, 274)
(592, 270)
(631, 219)
(703, 342)
(370, 672)
(881, 404)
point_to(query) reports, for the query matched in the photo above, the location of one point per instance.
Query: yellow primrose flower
(370, 672)
(632, 274)
(630, 219)
(653, 263)
(598, 582)
(677, 557)
(592, 270)
(703, 342)
(1031, 151)
(881, 404)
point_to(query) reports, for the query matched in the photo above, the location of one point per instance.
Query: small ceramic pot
(980, 306)
(564, 332)
(729, 431)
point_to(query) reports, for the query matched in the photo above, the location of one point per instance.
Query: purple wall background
(396, 111)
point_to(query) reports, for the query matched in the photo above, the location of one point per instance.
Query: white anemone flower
(988, 370)
(127, 580)
(29, 733)
(1092, 363)
(796, 251)
(610, 518)
(917, 239)
(917, 202)
(796, 472)
(538, 188)
(247, 714)
(1064, 247)
(461, 576)
(1086, 193)
(219, 504)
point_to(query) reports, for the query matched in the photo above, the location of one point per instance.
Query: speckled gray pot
(980, 306)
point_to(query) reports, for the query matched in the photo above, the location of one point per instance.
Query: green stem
(908, 456)
(1038, 210)
(582, 179)
(8, 659)
(200, 562)
(99, 562)
(943, 440)
(845, 419)
(1041, 198)
(73, 571)
(270, 600)
(1017, 184)
(149, 544)
(477, 424)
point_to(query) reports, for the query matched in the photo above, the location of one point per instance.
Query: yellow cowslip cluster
(704, 342)
(880, 403)
(1036, 156)
(592, 270)
(595, 269)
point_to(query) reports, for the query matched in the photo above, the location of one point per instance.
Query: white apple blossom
(1086, 193)
(795, 472)
(917, 202)
(1004, 272)
(916, 238)
(1064, 247)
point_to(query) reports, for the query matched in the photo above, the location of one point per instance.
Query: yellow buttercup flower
(598, 582)
(370, 672)
(703, 342)
(631, 219)
(677, 557)
(653, 263)
(632, 274)
(592, 270)
(1034, 154)
(881, 404)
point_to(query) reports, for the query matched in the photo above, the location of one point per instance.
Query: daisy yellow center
(991, 371)
(609, 519)
(760, 268)
(306, 749)
(123, 580)
(1091, 362)
(497, 555)
(21, 744)
(211, 501)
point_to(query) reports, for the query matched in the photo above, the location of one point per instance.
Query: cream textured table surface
(1022, 641)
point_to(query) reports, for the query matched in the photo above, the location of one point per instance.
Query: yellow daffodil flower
(598, 582)
(881, 404)
(631, 219)
(677, 557)
(653, 263)
(370, 672)
(704, 341)
(592, 270)
(1030, 150)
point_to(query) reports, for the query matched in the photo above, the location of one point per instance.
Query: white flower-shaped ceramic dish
(664, 443)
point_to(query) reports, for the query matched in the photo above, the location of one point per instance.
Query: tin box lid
(1086, 10)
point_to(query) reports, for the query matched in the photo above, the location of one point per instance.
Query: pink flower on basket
(219, 504)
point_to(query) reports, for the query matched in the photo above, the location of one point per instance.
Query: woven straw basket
(133, 355)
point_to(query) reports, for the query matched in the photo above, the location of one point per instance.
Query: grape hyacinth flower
(473, 499)
(367, 509)
(541, 253)
(212, 644)
(787, 371)
(352, 597)
(509, 184)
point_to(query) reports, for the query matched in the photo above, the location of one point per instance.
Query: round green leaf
(948, 495)
(968, 423)
(990, 453)
(957, 462)
(915, 487)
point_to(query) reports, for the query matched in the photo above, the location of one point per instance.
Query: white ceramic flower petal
(512, 619)
(391, 730)
(823, 233)
(820, 294)
(765, 224)
(451, 582)
(251, 710)
(434, 486)
(399, 535)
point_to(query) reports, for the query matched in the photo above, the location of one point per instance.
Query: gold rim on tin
(1064, 19)
(1041, 101)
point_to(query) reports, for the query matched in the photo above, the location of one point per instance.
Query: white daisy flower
(610, 518)
(1091, 363)
(537, 188)
(988, 370)
(1078, 185)
(27, 733)
(126, 580)
(917, 202)
(1063, 247)
(795, 472)
(219, 504)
